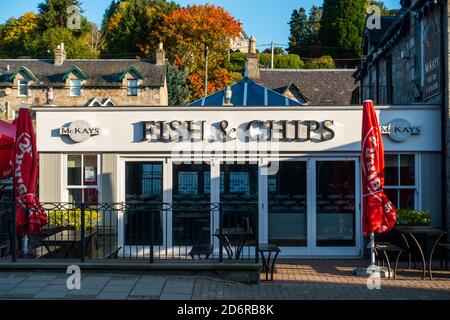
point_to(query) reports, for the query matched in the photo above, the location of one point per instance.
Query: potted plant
(72, 219)
(407, 217)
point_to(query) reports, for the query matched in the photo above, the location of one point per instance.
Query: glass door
(143, 186)
(191, 209)
(239, 194)
(335, 204)
(287, 205)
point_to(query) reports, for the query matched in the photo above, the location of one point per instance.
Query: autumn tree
(16, 34)
(127, 25)
(187, 32)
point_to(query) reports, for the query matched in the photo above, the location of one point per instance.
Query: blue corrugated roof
(247, 93)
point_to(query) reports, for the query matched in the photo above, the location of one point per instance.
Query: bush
(281, 61)
(407, 217)
(324, 62)
(72, 218)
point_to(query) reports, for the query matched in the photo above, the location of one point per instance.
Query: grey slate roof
(320, 87)
(100, 72)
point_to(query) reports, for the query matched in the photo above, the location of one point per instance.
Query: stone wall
(147, 96)
(407, 65)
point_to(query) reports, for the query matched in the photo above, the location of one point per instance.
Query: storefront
(299, 164)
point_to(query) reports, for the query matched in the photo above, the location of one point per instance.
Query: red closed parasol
(379, 214)
(30, 215)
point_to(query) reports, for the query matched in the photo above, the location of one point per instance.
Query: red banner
(30, 215)
(379, 214)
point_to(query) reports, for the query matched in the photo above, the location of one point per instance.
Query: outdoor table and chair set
(417, 243)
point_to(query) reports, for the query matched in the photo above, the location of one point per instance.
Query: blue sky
(265, 19)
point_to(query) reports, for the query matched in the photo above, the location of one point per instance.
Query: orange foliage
(187, 31)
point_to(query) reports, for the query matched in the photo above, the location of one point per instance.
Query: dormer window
(132, 87)
(22, 88)
(75, 88)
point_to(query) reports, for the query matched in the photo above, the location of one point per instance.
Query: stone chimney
(60, 55)
(160, 55)
(253, 60)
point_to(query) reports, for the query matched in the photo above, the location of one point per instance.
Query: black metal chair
(382, 251)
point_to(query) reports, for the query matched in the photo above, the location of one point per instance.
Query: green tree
(178, 89)
(127, 25)
(76, 48)
(300, 33)
(276, 50)
(342, 27)
(55, 14)
(324, 62)
(236, 63)
(315, 15)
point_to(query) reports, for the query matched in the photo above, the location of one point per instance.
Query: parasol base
(365, 272)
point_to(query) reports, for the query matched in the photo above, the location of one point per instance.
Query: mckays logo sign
(79, 131)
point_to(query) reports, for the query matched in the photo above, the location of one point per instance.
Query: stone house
(241, 43)
(72, 82)
(406, 63)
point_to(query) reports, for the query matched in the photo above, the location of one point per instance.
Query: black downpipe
(444, 115)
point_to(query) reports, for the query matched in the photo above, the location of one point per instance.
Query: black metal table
(69, 239)
(228, 234)
(268, 265)
(430, 233)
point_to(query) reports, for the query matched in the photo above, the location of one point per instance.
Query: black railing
(150, 231)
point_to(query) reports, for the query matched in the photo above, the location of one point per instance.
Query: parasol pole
(372, 249)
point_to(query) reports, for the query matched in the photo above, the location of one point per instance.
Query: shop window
(132, 87)
(400, 180)
(23, 88)
(75, 88)
(82, 178)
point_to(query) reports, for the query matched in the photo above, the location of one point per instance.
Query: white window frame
(75, 87)
(416, 186)
(67, 187)
(132, 91)
(23, 83)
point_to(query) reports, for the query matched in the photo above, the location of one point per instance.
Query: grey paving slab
(39, 277)
(15, 280)
(51, 295)
(118, 295)
(173, 296)
(177, 290)
(123, 282)
(7, 287)
(85, 292)
(24, 291)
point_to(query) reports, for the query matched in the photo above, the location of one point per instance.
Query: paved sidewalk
(300, 279)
